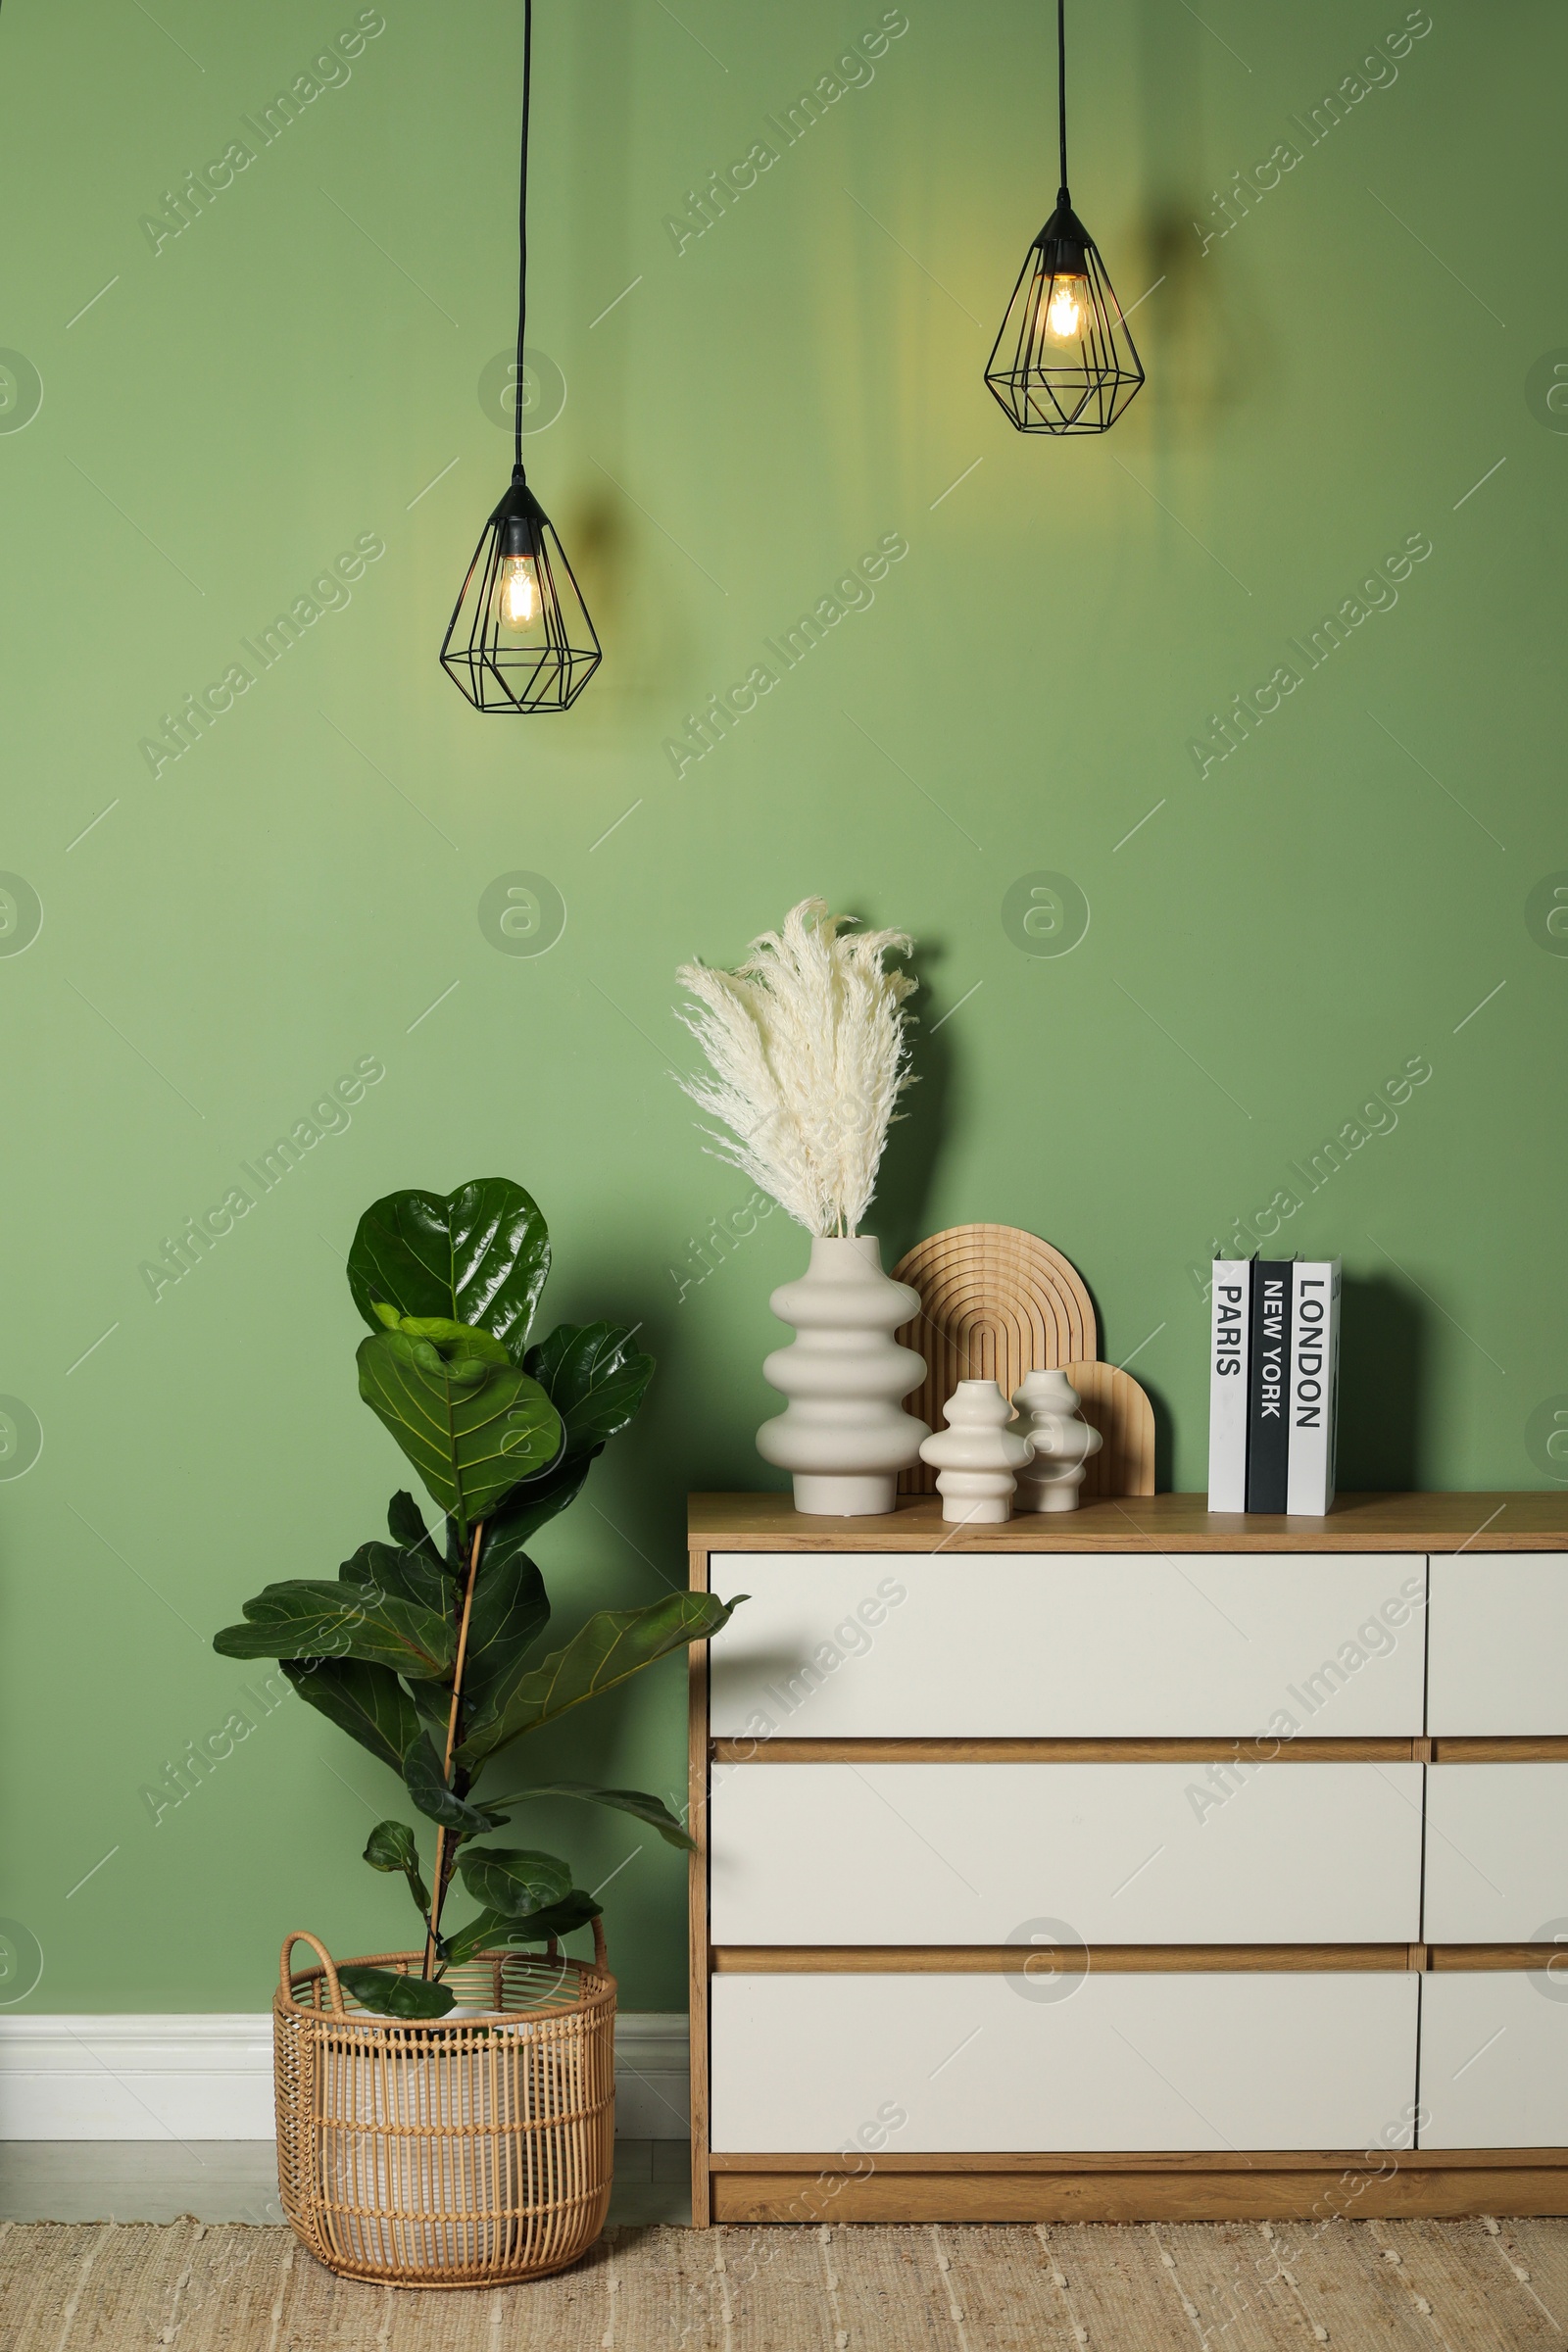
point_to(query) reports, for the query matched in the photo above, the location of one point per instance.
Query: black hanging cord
(522, 229)
(1061, 89)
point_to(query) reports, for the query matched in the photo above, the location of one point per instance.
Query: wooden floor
(236, 2181)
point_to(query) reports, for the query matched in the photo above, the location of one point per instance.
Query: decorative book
(1268, 1429)
(1315, 1395)
(1230, 1318)
(1273, 1385)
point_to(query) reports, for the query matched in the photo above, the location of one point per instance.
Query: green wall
(1272, 936)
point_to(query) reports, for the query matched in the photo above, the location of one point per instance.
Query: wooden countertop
(1493, 1522)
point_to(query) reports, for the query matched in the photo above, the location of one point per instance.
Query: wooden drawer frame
(757, 2187)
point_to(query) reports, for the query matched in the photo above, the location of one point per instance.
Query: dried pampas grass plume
(807, 1049)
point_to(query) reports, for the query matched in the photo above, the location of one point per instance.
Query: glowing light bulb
(1066, 314)
(518, 594)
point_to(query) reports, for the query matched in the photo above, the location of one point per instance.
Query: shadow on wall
(1206, 327)
(1164, 1421)
(1208, 362)
(927, 1115)
(1164, 1438)
(646, 615)
(647, 627)
(1383, 1363)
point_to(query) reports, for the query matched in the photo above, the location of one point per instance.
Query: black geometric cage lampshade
(520, 638)
(1064, 361)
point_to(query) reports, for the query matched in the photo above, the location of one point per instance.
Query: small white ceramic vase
(843, 1434)
(976, 1454)
(1047, 1412)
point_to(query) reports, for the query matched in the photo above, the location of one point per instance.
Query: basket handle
(303, 1935)
(601, 1958)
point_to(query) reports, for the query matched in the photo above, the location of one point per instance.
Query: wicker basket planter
(460, 2151)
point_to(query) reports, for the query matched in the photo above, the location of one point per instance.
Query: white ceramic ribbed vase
(977, 1454)
(843, 1434)
(1048, 1412)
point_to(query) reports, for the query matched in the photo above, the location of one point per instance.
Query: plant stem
(442, 1869)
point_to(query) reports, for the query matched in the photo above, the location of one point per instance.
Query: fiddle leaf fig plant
(425, 1649)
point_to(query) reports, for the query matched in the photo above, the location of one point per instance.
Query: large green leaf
(426, 1783)
(404, 1524)
(512, 1879)
(416, 1575)
(369, 1702)
(492, 1931)
(488, 1933)
(391, 1846)
(472, 1428)
(613, 1646)
(574, 1910)
(594, 1376)
(520, 1514)
(643, 1807)
(457, 1343)
(433, 1704)
(479, 1255)
(391, 1995)
(511, 1610)
(314, 1619)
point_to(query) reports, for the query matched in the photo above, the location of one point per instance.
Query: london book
(1314, 1384)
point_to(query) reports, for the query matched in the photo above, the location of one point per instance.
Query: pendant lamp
(1064, 361)
(520, 637)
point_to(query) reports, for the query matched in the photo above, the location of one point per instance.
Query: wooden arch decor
(996, 1303)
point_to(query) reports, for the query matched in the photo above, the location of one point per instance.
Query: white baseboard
(210, 2077)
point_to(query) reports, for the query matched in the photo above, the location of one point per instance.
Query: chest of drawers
(1140, 1863)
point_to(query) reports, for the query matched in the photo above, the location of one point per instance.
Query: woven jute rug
(1440, 2287)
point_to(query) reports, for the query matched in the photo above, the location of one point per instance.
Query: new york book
(1268, 1428)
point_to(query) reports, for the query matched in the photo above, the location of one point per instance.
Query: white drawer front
(1493, 2060)
(952, 2064)
(1499, 1643)
(1121, 1853)
(1071, 1645)
(1496, 1854)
